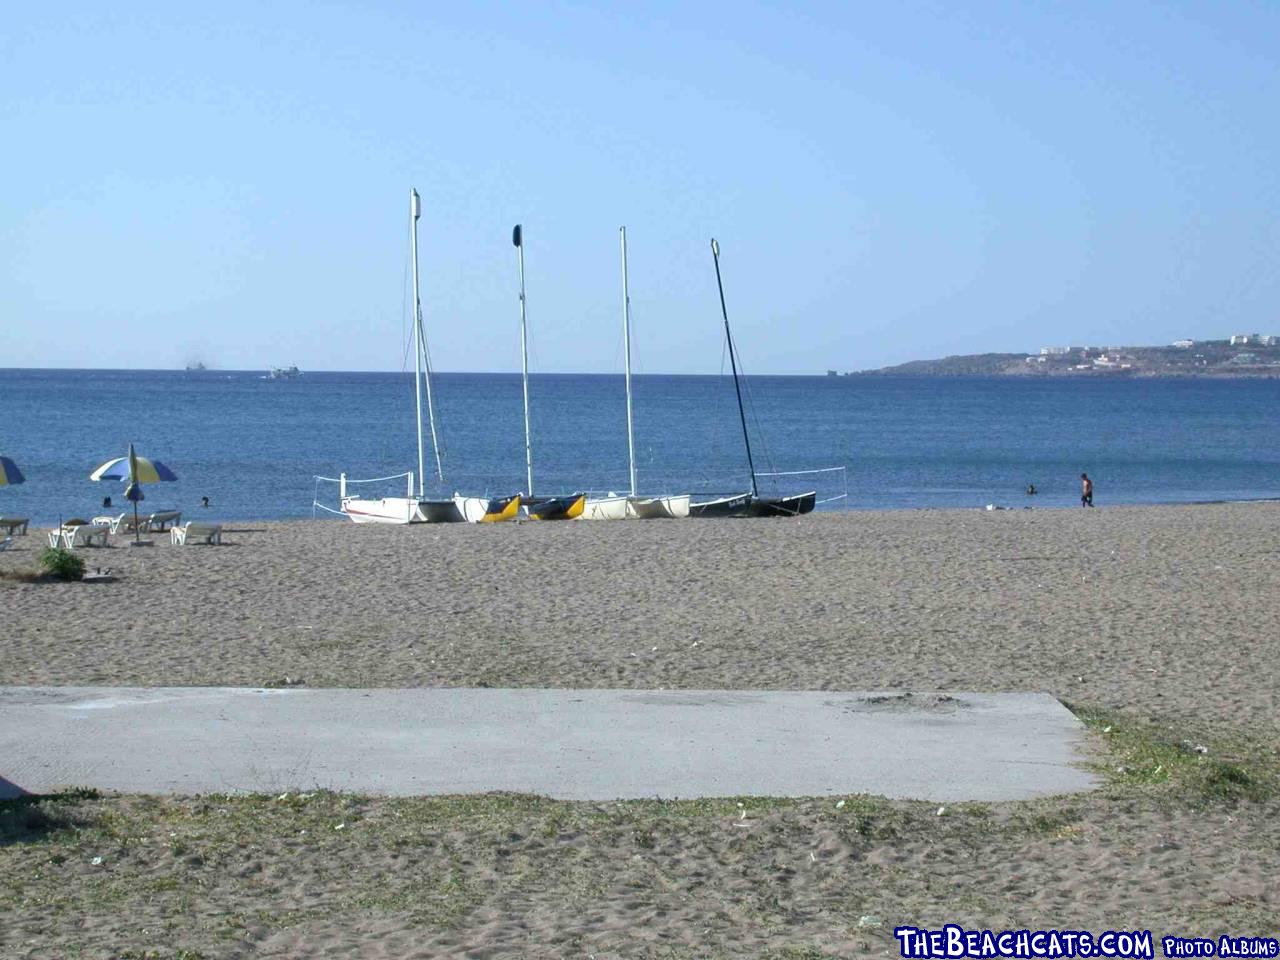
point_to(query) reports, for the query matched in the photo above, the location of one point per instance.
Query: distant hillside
(1256, 356)
(970, 365)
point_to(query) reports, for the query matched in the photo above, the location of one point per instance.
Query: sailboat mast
(626, 350)
(421, 339)
(414, 210)
(518, 240)
(715, 252)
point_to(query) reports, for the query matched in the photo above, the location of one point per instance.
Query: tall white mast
(420, 366)
(518, 240)
(414, 211)
(626, 350)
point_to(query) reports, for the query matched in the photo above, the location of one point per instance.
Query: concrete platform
(569, 744)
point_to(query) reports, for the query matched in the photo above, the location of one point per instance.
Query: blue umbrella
(9, 472)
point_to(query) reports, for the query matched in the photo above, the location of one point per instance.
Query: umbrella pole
(136, 535)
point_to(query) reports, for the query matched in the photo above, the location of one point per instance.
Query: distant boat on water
(196, 367)
(279, 373)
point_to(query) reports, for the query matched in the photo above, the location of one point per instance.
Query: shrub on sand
(62, 563)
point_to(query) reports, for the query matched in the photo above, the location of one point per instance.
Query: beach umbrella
(9, 473)
(135, 471)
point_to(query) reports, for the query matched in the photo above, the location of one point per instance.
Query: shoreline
(38, 524)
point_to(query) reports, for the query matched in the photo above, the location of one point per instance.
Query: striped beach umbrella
(9, 473)
(135, 471)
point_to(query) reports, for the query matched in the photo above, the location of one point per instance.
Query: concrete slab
(569, 744)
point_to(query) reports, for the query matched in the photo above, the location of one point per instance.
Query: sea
(270, 449)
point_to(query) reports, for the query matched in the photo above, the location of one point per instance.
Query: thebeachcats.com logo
(953, 942)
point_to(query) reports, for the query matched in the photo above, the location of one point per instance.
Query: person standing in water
(1086, 491)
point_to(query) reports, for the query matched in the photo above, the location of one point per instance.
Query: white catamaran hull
(401, 510)
(612, 507)
(654, 508)
(386, 510)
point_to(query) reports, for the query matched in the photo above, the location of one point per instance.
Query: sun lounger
(14, 525)
(124, 523)
(162, 519)
(5, 544)
(195, 532)
(84, 535)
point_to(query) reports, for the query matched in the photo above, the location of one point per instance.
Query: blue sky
(887, 182)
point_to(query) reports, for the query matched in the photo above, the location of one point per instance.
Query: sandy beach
(1160, 625)
(1173, 611)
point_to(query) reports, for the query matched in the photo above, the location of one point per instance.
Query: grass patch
(24, 576)
(1147, 757)
(33, 819)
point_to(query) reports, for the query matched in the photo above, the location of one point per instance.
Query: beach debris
(341, 826)
(284, 682)
(96, 861)
(1107, 728)
(941, 811)
(283, 796)
(839, 804)
(868, 921)
(812, 858)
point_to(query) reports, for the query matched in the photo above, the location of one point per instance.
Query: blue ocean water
(253, 445)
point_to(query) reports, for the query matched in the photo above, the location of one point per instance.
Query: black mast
(715, 252)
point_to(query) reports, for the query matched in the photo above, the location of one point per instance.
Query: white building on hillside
(1184, 344)
(1054, 351)
(1242, 339)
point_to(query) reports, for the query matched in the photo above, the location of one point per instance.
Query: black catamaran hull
(735, 506)
(747, 505)
(783, 506)
(556, 508)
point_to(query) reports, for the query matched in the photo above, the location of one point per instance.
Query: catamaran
(417, 508)
(747, 504)
(619, 506)
(564, 507)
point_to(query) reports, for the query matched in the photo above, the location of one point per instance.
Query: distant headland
(1242, 355)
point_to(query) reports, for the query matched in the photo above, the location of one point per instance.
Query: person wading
(1086, 491)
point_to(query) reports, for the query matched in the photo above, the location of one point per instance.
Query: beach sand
(1159, 623)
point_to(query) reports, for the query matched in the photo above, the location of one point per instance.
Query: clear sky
(229, 182)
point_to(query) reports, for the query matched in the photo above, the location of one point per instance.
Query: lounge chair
(12, 524)
(5, 544)
(124, 523)
(163, 518)
(85, 534)
(195, 532)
